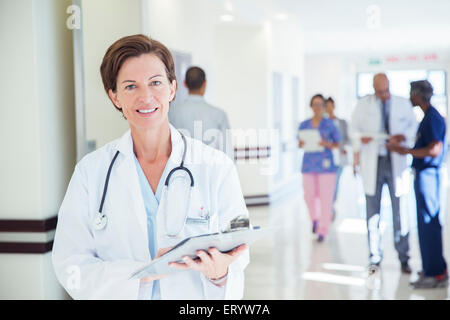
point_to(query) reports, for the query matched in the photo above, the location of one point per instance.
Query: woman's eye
(156, 83)
(129, 87)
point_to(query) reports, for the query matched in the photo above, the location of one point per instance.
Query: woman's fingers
(162, 251)
(205, 257)
(188, 264)
(208, 261)
(154, 277)
(236, 252)
(178, 265)
(191, 263)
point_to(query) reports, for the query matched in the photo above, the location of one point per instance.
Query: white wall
(330, 75)
(286, 57)
(187, 26)
(241, 73)
(38, 129)
(55, 92)
(104, 22)
(19, 113)
(38, 108)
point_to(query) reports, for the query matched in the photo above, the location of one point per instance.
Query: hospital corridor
(212, 150)
(300, 268)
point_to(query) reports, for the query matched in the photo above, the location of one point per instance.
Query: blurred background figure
(340, 155)
(377, 118)
(319, 169)
(428, 152)
(201, 120)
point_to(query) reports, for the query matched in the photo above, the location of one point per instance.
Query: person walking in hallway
(319, 170)
(340, 155)
(197, 118)
(377, 119)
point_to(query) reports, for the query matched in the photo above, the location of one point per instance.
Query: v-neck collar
(145, 185)
(312, 125)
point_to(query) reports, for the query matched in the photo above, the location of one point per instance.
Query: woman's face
(329, 106)
(318, 106)
(144, 91)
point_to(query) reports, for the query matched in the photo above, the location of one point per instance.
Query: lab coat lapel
(173, 162)
(126, 172)
(127, 176)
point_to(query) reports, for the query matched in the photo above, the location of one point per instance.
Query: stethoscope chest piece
(100, 221)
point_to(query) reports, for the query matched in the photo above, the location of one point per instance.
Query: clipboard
(223, 241)
(312, 139)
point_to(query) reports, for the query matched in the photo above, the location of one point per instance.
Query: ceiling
(352, 14)
(358, 25)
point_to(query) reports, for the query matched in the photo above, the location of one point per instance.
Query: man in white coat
(376, 120)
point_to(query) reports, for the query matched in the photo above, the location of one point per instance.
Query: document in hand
(375, 135)
(224, 242)
(312, 138)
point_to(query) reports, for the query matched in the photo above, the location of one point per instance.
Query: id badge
(326, 163)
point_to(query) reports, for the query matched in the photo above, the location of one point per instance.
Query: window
(399, 84)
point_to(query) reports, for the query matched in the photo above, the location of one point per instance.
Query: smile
(147, 110)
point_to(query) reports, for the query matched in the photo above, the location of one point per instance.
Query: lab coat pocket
(371, 121)
(198, 220)
(104, 241)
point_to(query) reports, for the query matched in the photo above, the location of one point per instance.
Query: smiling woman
(129, 47)
(139, 211)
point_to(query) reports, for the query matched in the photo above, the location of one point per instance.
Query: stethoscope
(101, 220)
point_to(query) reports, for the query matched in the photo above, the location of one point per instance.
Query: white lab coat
(367, 118)
(92, 264)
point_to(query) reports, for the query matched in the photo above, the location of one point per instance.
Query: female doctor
(125, 203)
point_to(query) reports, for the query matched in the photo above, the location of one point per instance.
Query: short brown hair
(128, 47)
(195, 78)
(316, 96)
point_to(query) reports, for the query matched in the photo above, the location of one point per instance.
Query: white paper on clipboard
(312, 138)
(375, 135)
(224, 242)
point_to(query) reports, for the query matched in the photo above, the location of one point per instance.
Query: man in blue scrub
(428, 154)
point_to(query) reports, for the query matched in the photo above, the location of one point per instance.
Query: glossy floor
(291, 264)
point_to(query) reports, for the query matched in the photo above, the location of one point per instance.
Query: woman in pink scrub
(319, 170)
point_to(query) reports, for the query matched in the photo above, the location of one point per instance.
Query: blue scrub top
(151, 203)
(432, 128)
(321, 162)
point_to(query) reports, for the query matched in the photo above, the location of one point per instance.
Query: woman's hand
(301, 143)
(366, 140)
(328, 144)
(213, 264)
(157, 276)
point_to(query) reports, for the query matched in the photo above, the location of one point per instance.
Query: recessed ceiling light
(227, 17)
(281, 16)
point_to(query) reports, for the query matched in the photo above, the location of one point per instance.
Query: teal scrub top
(151, 203)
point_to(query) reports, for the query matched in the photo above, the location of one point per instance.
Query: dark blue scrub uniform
(427, 187)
